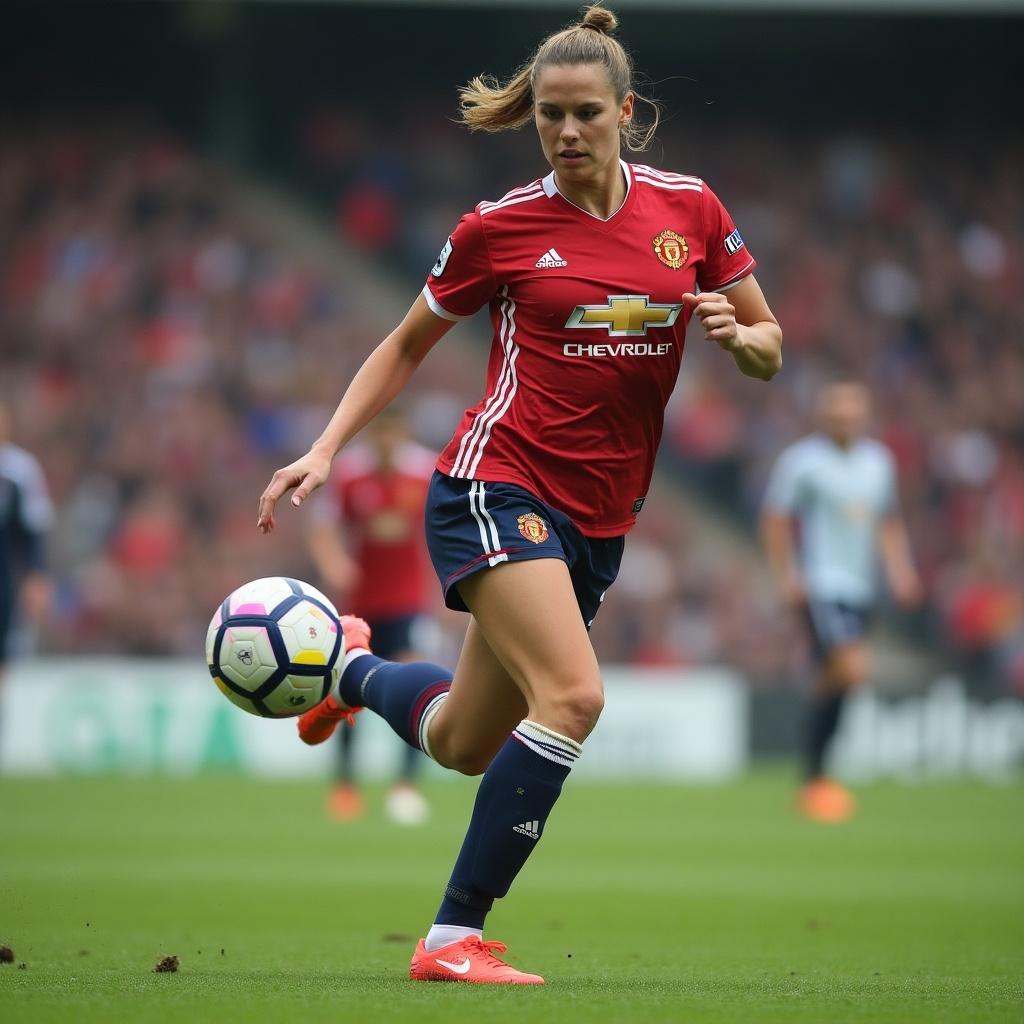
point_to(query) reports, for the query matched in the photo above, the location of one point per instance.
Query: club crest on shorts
(671, 249)
(532, 527)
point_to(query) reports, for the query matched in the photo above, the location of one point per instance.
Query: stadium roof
(924, 7)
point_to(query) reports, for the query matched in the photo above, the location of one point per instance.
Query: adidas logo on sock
(528, 828)
(551, 259)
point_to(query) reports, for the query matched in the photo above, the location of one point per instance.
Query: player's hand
(305, 475)
(717, 316)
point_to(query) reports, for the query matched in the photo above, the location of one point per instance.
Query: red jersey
(588, 334)
(381, 514)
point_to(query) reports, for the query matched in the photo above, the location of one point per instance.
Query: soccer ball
(274, 647)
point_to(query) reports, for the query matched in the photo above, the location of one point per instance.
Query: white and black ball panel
(274, 647)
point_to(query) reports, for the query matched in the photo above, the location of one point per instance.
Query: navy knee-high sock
(402, 693)
(512, 805)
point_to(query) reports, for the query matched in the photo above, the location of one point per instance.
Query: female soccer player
(590, 275)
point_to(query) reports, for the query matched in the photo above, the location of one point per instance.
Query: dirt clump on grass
(166, 965)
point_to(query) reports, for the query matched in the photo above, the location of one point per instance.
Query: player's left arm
(894, 547)
(741, 323)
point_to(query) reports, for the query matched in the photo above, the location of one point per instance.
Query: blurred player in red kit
(366, 539)
(590, 275)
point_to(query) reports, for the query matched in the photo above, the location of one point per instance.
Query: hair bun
(600, 19)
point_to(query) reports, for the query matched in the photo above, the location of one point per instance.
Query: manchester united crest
(532, 527)
(671, 249)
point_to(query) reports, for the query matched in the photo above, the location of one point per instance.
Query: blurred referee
(25, 517)
(831, 513)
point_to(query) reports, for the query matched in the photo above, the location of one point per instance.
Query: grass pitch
(642, 903)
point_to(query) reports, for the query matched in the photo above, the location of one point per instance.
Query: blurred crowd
(164, 351)
(163, 354)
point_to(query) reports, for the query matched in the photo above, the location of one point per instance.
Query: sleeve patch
(733, 243)
(442, 260)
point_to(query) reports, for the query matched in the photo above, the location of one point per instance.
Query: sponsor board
(941, 733)
(139, 716)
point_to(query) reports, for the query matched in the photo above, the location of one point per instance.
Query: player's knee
(573, 710)
(468, 762)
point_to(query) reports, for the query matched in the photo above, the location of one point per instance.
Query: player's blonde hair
(488, 106)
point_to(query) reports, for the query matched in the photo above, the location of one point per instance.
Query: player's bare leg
(548, 659)
(481, 711)
(546, 656)
(483, 706)
(515, 662)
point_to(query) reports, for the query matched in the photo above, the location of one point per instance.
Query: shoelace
(348, 715)
(488, 948)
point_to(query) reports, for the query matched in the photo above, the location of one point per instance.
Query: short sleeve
(727, 258)
(462, 280)
(783, 492)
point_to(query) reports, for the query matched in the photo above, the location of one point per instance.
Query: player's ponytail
(488, 106)
(485, 105)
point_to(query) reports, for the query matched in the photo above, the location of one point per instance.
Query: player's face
(844, 412)
(578, 119)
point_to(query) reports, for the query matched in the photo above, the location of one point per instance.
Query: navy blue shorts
(392, 637)
(474, 525)
(835, 624)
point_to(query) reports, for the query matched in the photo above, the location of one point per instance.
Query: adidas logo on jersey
(550, 259)
(528, 828)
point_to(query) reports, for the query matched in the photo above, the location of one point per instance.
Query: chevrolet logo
(626, 315)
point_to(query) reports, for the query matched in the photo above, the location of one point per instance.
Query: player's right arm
(777, 535)
(778, 527)
(894, 546)
(379, 380)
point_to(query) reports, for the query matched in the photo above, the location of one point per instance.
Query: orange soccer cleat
(826, 801)
(318, 724)
(470, 960)
(356, 632)
(345, 803)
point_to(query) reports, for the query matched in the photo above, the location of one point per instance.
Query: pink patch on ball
(253, 608)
